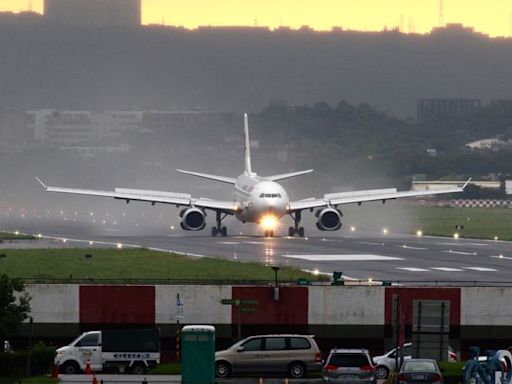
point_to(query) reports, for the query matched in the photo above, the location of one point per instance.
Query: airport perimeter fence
(272, 283)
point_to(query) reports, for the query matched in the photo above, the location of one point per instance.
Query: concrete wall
(486, 306)
(54, 303)
(346, 305)
(201, 304)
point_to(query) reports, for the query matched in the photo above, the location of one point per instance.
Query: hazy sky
(493, 17)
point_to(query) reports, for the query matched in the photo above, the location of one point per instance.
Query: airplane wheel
(301, 232)
(214, 231)
(291, 231)
(271, 234)
(224, 231)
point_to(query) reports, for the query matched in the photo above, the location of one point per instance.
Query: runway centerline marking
(228, 242)
(501, 257)
(414, 269)
(354, 257)
(369, 243)
(463, 244)
(405, 246)
(447, 269)
(481, 269)
(461, 253)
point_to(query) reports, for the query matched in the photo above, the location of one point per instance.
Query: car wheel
(297, 370)
(381, 372)
(222, 369)
(69, 368)
(138, 369)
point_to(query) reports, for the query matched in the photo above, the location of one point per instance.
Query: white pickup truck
(131, 350)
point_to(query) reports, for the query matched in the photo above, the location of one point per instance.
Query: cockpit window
(262, 195)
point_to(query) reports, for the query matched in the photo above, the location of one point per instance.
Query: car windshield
(349, 360)
(419, 366)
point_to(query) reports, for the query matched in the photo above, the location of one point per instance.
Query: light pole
(275, 268)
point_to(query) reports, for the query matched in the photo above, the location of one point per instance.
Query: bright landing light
(269, 222)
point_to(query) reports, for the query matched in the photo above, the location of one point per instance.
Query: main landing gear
(219, 229)
(296, 229)
(269, 233)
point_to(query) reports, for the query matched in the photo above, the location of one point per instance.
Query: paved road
(359, 256)
(168, 379)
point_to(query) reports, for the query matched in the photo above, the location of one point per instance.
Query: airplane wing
(222, 179)
(333, 199)
(178, 199)
(288, 175)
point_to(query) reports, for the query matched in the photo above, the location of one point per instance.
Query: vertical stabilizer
(247, 168)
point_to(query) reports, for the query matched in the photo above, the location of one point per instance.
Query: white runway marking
(405, 246)
(446, 269)
(254, 242)
(481, 269)
(413, 269)
(228, 242)
(502, 257)
(462, 243)
(343, 257)
(369, 243)
(461, 253)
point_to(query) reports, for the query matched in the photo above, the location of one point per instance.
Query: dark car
(349, 366)
(424, 371)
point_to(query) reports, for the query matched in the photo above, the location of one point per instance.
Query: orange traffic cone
(55, 371)
(94, 381)
(88, 367)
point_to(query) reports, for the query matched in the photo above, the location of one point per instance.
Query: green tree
(14, 306)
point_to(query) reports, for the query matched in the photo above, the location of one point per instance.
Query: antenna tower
(441, 13)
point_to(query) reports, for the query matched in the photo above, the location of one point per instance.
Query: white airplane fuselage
(257, 198)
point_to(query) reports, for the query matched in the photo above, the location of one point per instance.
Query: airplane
(257, 199)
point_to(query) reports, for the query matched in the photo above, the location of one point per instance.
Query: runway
(360, 256)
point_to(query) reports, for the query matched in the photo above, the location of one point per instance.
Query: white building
(67, 128)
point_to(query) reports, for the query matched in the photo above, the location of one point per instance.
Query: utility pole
(441, 13)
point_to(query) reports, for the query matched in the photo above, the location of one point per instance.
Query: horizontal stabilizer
(288, 175)
(222, 179)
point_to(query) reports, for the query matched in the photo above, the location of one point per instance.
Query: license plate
(419, 377)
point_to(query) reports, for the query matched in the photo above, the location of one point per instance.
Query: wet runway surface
(358, 255)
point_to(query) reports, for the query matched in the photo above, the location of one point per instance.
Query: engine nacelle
(329, 219)
(192, 219)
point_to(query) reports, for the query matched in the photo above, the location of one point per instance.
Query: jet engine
(192, 219)
(329, 219)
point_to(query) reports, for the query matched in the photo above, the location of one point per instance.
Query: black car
(424, 371)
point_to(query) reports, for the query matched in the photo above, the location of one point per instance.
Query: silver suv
(349, 366)
(294, 355)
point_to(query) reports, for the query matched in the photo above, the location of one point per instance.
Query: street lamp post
(275, 268)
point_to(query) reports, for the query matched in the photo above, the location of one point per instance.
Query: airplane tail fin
(247, 164)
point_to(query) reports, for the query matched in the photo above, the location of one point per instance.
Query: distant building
(164, 121)
(13, 132)
(456, 30)
(435, 108)
(93, 13)
(22, 19)
(71, 128)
